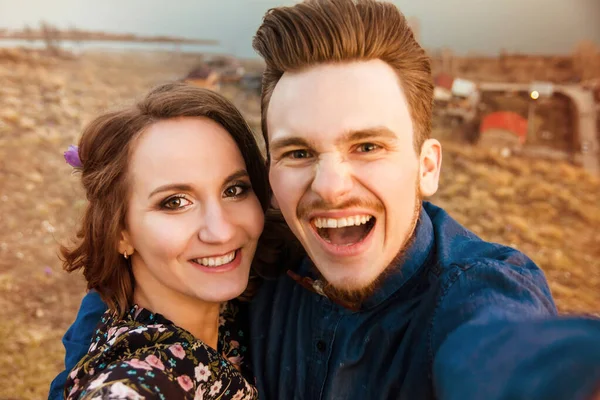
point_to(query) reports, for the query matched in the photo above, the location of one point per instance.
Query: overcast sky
(481, 26)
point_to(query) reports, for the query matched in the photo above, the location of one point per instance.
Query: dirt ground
(551, 211)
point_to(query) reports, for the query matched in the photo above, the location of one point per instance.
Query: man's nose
(333, 179)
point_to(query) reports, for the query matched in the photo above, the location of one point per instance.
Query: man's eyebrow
(295, 141)
(351, 136)
(183, 187)
(380, 132)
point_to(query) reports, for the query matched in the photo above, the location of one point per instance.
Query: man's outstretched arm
(497, 338)
(77, 339)
(554, 358)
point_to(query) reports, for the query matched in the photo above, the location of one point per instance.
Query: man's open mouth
(344, 231)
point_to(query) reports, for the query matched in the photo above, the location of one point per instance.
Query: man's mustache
(305, 208)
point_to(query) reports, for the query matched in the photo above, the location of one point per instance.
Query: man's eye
(175, 203)
(235, 190)
(298, 154)
(367, 147)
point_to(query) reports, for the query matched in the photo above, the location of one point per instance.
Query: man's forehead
(336, 99)
(364, 77)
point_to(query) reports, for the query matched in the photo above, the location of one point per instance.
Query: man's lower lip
(346, 250)
(233, 264)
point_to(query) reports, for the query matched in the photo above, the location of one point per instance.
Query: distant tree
(28, 32)
(51, 36)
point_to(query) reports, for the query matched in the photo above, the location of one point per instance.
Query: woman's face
(193, 221)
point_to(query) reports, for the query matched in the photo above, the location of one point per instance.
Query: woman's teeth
(341, 222)
(216, 261)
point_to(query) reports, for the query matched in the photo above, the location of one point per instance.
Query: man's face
(343, 168)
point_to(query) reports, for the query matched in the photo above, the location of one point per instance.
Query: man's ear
(430, 163)
(125, 245)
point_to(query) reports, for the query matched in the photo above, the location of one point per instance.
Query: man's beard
(353, 298)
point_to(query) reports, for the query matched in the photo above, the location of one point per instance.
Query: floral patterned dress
(146, 356)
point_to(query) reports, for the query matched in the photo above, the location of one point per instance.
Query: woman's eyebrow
(184, 187)
(242, 173)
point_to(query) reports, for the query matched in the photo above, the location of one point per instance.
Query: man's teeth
(216, 261)
(342, 222)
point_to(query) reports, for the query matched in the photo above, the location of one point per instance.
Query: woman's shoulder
(145, 352)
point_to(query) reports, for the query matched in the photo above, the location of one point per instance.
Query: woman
(177, 191)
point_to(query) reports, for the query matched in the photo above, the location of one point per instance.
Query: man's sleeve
(77, 339)
(496, 336)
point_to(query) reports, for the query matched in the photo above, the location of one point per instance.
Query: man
(395, 299)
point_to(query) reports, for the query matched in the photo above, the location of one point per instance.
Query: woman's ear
(125, 246)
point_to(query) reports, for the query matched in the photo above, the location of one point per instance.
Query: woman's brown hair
(105, 149)
(317, 32)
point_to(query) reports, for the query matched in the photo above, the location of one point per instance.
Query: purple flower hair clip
(72, 157)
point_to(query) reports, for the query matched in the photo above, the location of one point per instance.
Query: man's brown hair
(335, 31)
(105, 150)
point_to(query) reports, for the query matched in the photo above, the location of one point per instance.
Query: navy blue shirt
(459, 318)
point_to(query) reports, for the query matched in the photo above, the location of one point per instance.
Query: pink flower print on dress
(237, 360)
(139, 364)
(155, 362)
(185, 382)
(177, 351)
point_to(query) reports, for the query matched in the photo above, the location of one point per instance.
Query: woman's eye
(367, 147)
(235, 191)
(175, 203)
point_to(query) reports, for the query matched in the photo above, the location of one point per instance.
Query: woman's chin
(223, 292)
